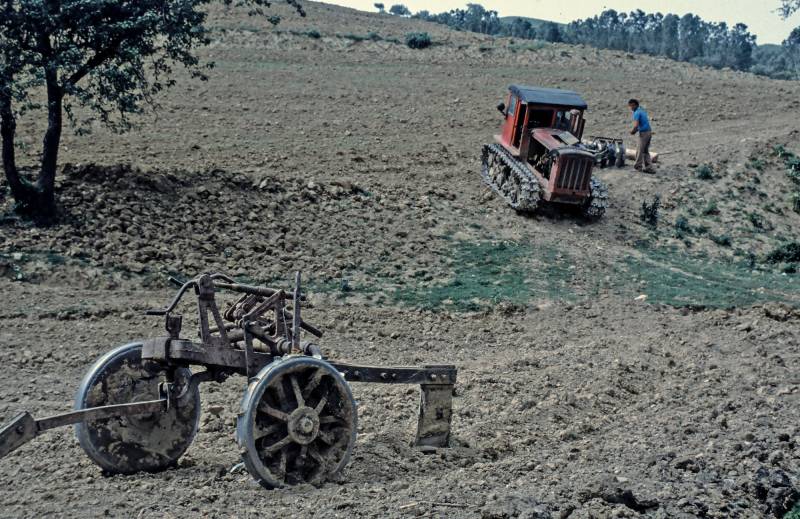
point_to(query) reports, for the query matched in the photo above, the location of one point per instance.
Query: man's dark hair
(634, 102)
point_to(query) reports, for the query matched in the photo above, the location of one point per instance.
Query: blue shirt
(640, 115)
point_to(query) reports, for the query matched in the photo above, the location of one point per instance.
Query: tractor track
(518, 187)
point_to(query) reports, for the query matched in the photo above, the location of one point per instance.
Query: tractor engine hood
(559, 142)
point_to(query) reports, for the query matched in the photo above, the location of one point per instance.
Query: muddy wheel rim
(298, 423)
(126, 445)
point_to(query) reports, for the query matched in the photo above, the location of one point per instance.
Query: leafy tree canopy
(109, 57)
(789, 7)
(400, 10)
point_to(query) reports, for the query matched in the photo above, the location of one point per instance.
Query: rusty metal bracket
(156, 348)
(436, 384)
(438, 374)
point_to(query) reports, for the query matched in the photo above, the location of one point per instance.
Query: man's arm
(635, 124)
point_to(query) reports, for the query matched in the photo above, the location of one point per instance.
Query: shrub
(353, 37)
(370, 36)
(704, 172)
(418, 40)
(682, 224)
(649, 213)
(313, 33)
(701, 229)
(711, 208)
(756, 220)
(780, 151)
(682, 227)
(792, 162)
(787, 253)
(756, 163)
(722, 240)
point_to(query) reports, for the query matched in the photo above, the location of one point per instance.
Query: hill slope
(317, 146)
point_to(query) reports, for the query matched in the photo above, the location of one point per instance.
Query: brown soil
(357, 163)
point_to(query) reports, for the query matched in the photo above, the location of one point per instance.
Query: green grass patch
(531, 46)
(487, 273)
(681, 280)
(794, 513)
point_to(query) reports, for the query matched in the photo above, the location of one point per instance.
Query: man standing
(641, 125)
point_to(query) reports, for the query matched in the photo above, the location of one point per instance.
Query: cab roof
(548, 96)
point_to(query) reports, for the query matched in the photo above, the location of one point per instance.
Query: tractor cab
(529, 108)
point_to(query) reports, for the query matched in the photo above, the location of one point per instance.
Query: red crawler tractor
(539, 155)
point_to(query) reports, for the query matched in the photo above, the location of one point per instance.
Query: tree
(635, 28)
(741, 45)
(551, 32)
(522, 28)
(653, 33)
(773, 61)
(669, 36)
(791, 46)
(380, 7)
(788, 7)
(400, 10)
(691, 37)
(108, 58)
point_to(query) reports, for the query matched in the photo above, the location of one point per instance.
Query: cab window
(562, 123)
(512, 106)
(541, 118)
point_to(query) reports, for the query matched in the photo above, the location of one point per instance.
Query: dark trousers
(643, 151)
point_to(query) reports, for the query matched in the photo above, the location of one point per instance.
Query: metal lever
(176, 281)
(296, 310)
(175, 300)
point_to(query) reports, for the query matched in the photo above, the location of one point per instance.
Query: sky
(759, 15)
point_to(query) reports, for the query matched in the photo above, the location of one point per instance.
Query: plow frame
(259, 330)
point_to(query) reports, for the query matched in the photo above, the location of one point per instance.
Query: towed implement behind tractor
(138, 407)
(539, 155)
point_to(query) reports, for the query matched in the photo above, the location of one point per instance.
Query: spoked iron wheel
(297, 423)
(128, 444)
